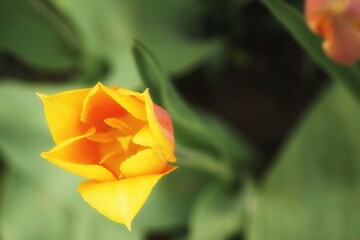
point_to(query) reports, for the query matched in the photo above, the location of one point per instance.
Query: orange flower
(119, 139)
(338, 22)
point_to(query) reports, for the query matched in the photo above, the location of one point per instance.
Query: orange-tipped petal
(120, 200)
(79, 156)
(64, 109)
(165, 122)
(144, 162)
(161, 133)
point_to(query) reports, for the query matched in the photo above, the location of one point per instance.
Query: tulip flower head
(338, 22)
(119, 139)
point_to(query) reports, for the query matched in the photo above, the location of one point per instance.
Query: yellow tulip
(338, 22)
(118, 138)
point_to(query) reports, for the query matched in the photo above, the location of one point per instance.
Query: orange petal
(79, 156)
(338, 22)
(63, 114)
(129, 100)
(352, 10)
(159, 125)
(343, 43)
(99, 105)
(143, 163)
(105, 137)
(120, 200)
(127, 124)
(133, 102)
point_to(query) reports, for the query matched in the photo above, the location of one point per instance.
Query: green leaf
(40, 215)
(171, 201)
(24, 135)
(35, 33)
(295, 24)
(313, 191)
(106, 28)
(192, 128)
(29, 209)
(219, 212)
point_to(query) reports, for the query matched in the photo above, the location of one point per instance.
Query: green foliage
(314, 189)
(222, 189)
(220, 212)
(107, 27)
(35, 33)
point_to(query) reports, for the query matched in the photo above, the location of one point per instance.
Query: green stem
(191, 158)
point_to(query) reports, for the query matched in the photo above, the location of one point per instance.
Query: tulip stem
(188, 157)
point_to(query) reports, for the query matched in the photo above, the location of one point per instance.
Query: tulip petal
(343, 42)
(98, 105)
(144, 137)
(143, 163)
(64, 109)
(127, 125)
(79, 156)
(131, 101)
(352, 11)
(338, 22)
(158, 126)
(120, 200)
(165, 122)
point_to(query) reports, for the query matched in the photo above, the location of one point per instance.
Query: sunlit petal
(145, 137)
(64, 109)
(145, 162)
(120, 200)
(79, 156)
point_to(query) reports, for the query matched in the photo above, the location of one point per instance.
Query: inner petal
(143, 163)
(126, 124)
(98, 106)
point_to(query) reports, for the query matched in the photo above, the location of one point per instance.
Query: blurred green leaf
(33, 31)
(107, 27)
(29, 209)
(24, 135)
(192, 128)
(313, 191)
(29, 212)
(170, 203)
(295, 24)
(218, 213)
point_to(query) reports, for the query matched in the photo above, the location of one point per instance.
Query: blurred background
(230, 58)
